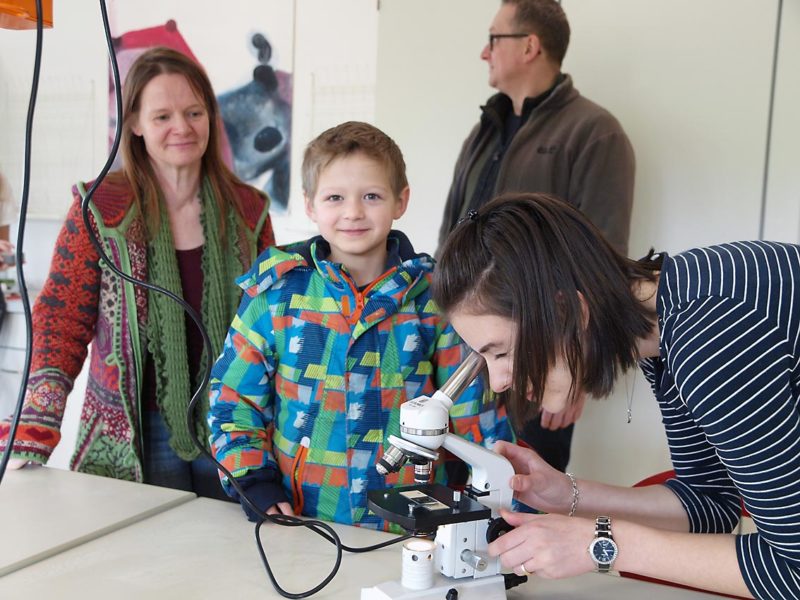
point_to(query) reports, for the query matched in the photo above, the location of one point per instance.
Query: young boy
(332, 336)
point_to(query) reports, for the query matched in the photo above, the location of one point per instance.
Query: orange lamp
(21, 14)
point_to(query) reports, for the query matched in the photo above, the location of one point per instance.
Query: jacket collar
(405, 268)
(498, 107)
(401, 259)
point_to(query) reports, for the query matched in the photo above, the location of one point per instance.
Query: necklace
(630, 395)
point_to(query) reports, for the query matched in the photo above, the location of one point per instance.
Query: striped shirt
(728, 384)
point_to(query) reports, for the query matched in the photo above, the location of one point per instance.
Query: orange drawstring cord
(298, 471)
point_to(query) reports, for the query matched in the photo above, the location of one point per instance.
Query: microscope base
(486, 588)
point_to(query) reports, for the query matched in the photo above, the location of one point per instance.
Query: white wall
(334, 77)
(429, 86)
(690, 82)
(688, 79)
(782, 220)
(695, 103)
(71, 119)
(695, 108)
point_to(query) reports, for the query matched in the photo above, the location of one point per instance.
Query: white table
(206, 549)
(45, 511)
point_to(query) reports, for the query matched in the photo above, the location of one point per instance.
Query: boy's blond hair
(350, 138)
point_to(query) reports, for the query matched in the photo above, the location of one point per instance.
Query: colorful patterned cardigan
(84, 302)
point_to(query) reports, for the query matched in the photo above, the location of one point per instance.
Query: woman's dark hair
(523, 257)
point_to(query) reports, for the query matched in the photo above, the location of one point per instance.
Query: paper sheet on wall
(342, 94)
(63, 148)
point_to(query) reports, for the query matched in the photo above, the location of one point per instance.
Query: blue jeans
(165, 468)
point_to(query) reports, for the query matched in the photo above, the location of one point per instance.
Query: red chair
(655, 480)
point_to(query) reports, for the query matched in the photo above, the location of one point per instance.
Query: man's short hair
(547, 20)
(350, 138)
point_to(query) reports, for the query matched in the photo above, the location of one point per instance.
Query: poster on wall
(246, 48)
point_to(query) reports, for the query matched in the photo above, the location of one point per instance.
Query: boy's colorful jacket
(310, 381)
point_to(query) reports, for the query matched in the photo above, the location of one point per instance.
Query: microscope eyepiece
(463, 376)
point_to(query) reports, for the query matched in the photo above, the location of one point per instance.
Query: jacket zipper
(298, 475)
(360, 296)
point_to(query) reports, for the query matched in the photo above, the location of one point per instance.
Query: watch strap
(602, 529)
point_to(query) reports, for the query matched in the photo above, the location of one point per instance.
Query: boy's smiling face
(354, 207)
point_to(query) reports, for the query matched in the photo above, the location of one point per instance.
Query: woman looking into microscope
(529, 283)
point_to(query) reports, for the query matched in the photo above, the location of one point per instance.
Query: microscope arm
(491, 472)
(424, 429)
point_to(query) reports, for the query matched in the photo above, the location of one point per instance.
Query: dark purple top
(190, 267)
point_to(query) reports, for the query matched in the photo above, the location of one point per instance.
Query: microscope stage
(424, 507)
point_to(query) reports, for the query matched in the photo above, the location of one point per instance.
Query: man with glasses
(538, 134)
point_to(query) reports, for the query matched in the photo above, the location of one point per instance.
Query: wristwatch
(603, 548)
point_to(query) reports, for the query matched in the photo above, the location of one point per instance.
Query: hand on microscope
(552, 545)
(535, 482)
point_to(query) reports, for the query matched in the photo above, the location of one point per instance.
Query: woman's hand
(536, 483)
(552, 546)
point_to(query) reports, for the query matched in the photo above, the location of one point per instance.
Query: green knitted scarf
(166, 326)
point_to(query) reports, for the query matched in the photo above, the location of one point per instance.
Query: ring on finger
(524, 570)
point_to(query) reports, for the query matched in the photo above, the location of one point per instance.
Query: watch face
(604, 550)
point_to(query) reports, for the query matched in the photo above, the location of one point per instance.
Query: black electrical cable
(271, 575)
(23, 211)
(323, 529)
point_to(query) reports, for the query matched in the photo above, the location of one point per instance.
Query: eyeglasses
(496, 36)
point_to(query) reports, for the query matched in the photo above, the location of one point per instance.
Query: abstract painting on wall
(247, 53)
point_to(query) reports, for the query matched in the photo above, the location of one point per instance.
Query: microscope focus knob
(496, 528)
(476, 561)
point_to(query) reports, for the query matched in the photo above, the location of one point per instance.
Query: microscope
(456, 564)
